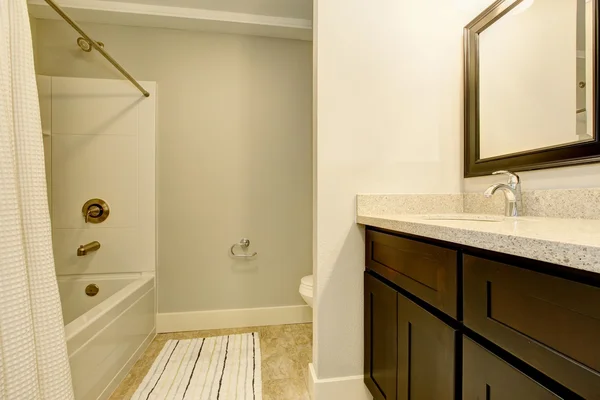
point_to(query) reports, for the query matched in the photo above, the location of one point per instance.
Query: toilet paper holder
(243, 244)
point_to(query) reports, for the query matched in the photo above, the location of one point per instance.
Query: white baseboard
(346, 387)
(222, 319)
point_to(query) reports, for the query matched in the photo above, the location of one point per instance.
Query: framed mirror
(531, 86)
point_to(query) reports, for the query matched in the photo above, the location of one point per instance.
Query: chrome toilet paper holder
(243, 244)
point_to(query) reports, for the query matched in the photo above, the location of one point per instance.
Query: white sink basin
(462, 217)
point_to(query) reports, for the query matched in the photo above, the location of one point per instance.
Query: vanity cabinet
(449, 322)
(409, 353)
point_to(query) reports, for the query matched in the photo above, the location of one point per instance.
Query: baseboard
(346, 387)
(222, 319)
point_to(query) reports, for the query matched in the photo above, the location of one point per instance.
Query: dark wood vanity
(445, 321)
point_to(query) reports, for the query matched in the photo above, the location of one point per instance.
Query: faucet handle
(513, 179)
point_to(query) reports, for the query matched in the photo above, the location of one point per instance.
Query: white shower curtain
(33, 357)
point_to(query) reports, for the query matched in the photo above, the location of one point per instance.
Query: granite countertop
(572, 243)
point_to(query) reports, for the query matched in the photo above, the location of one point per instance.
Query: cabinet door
(485, 376)
(426, 354)
(381, 355)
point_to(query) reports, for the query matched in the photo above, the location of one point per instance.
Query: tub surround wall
(99, 142)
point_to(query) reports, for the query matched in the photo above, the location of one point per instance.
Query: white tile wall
(94, 107)
(119, 251)
(94, 166)
(44, 84)
(48, 165)
(102, 145)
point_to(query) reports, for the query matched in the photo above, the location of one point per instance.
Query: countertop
(572, 243)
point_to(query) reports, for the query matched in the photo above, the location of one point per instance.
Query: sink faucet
(512, 193)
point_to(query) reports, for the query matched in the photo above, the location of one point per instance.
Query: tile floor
(286, 352)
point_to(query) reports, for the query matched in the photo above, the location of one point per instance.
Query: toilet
(306, 289)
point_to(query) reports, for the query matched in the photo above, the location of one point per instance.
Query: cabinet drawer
(550, 323)
(486, 376)
(426, 271)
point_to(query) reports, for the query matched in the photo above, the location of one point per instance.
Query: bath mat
(222, 367)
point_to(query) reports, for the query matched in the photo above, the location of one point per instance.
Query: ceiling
(290, 19)
(301, 9)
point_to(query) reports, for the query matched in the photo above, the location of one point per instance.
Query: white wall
(107, 155)
(583, 176)
(33, 26)
(389, 120)
(528, 79)
(234, 156)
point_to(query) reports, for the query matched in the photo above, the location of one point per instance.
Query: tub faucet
(84, 249)
(512, 192)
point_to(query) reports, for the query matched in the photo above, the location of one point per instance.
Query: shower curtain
(33, 356)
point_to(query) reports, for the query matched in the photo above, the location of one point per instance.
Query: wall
(107, 155)
(33, 27)
(527, 79)
(388, 120)
(584, 176)
(234, 156)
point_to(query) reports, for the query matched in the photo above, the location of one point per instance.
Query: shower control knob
(95, 211)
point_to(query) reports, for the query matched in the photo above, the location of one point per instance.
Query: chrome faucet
(512, 193)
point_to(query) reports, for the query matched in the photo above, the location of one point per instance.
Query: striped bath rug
(222, 367)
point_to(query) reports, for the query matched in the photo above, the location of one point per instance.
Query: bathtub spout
(87, 248)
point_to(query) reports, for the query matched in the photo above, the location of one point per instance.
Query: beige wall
(389, 120)
(233, 156)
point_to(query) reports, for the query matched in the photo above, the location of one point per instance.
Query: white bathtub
(106, 333)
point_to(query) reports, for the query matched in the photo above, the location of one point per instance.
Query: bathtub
(108, 332)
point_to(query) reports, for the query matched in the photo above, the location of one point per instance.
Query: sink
(463, 217)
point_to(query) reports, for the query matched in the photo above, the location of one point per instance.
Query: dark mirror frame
(549, 157)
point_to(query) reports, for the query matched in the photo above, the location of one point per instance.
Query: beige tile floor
(286, 352)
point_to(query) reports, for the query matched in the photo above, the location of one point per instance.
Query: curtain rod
(96, 46)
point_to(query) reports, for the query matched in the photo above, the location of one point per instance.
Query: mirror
(530, 86)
